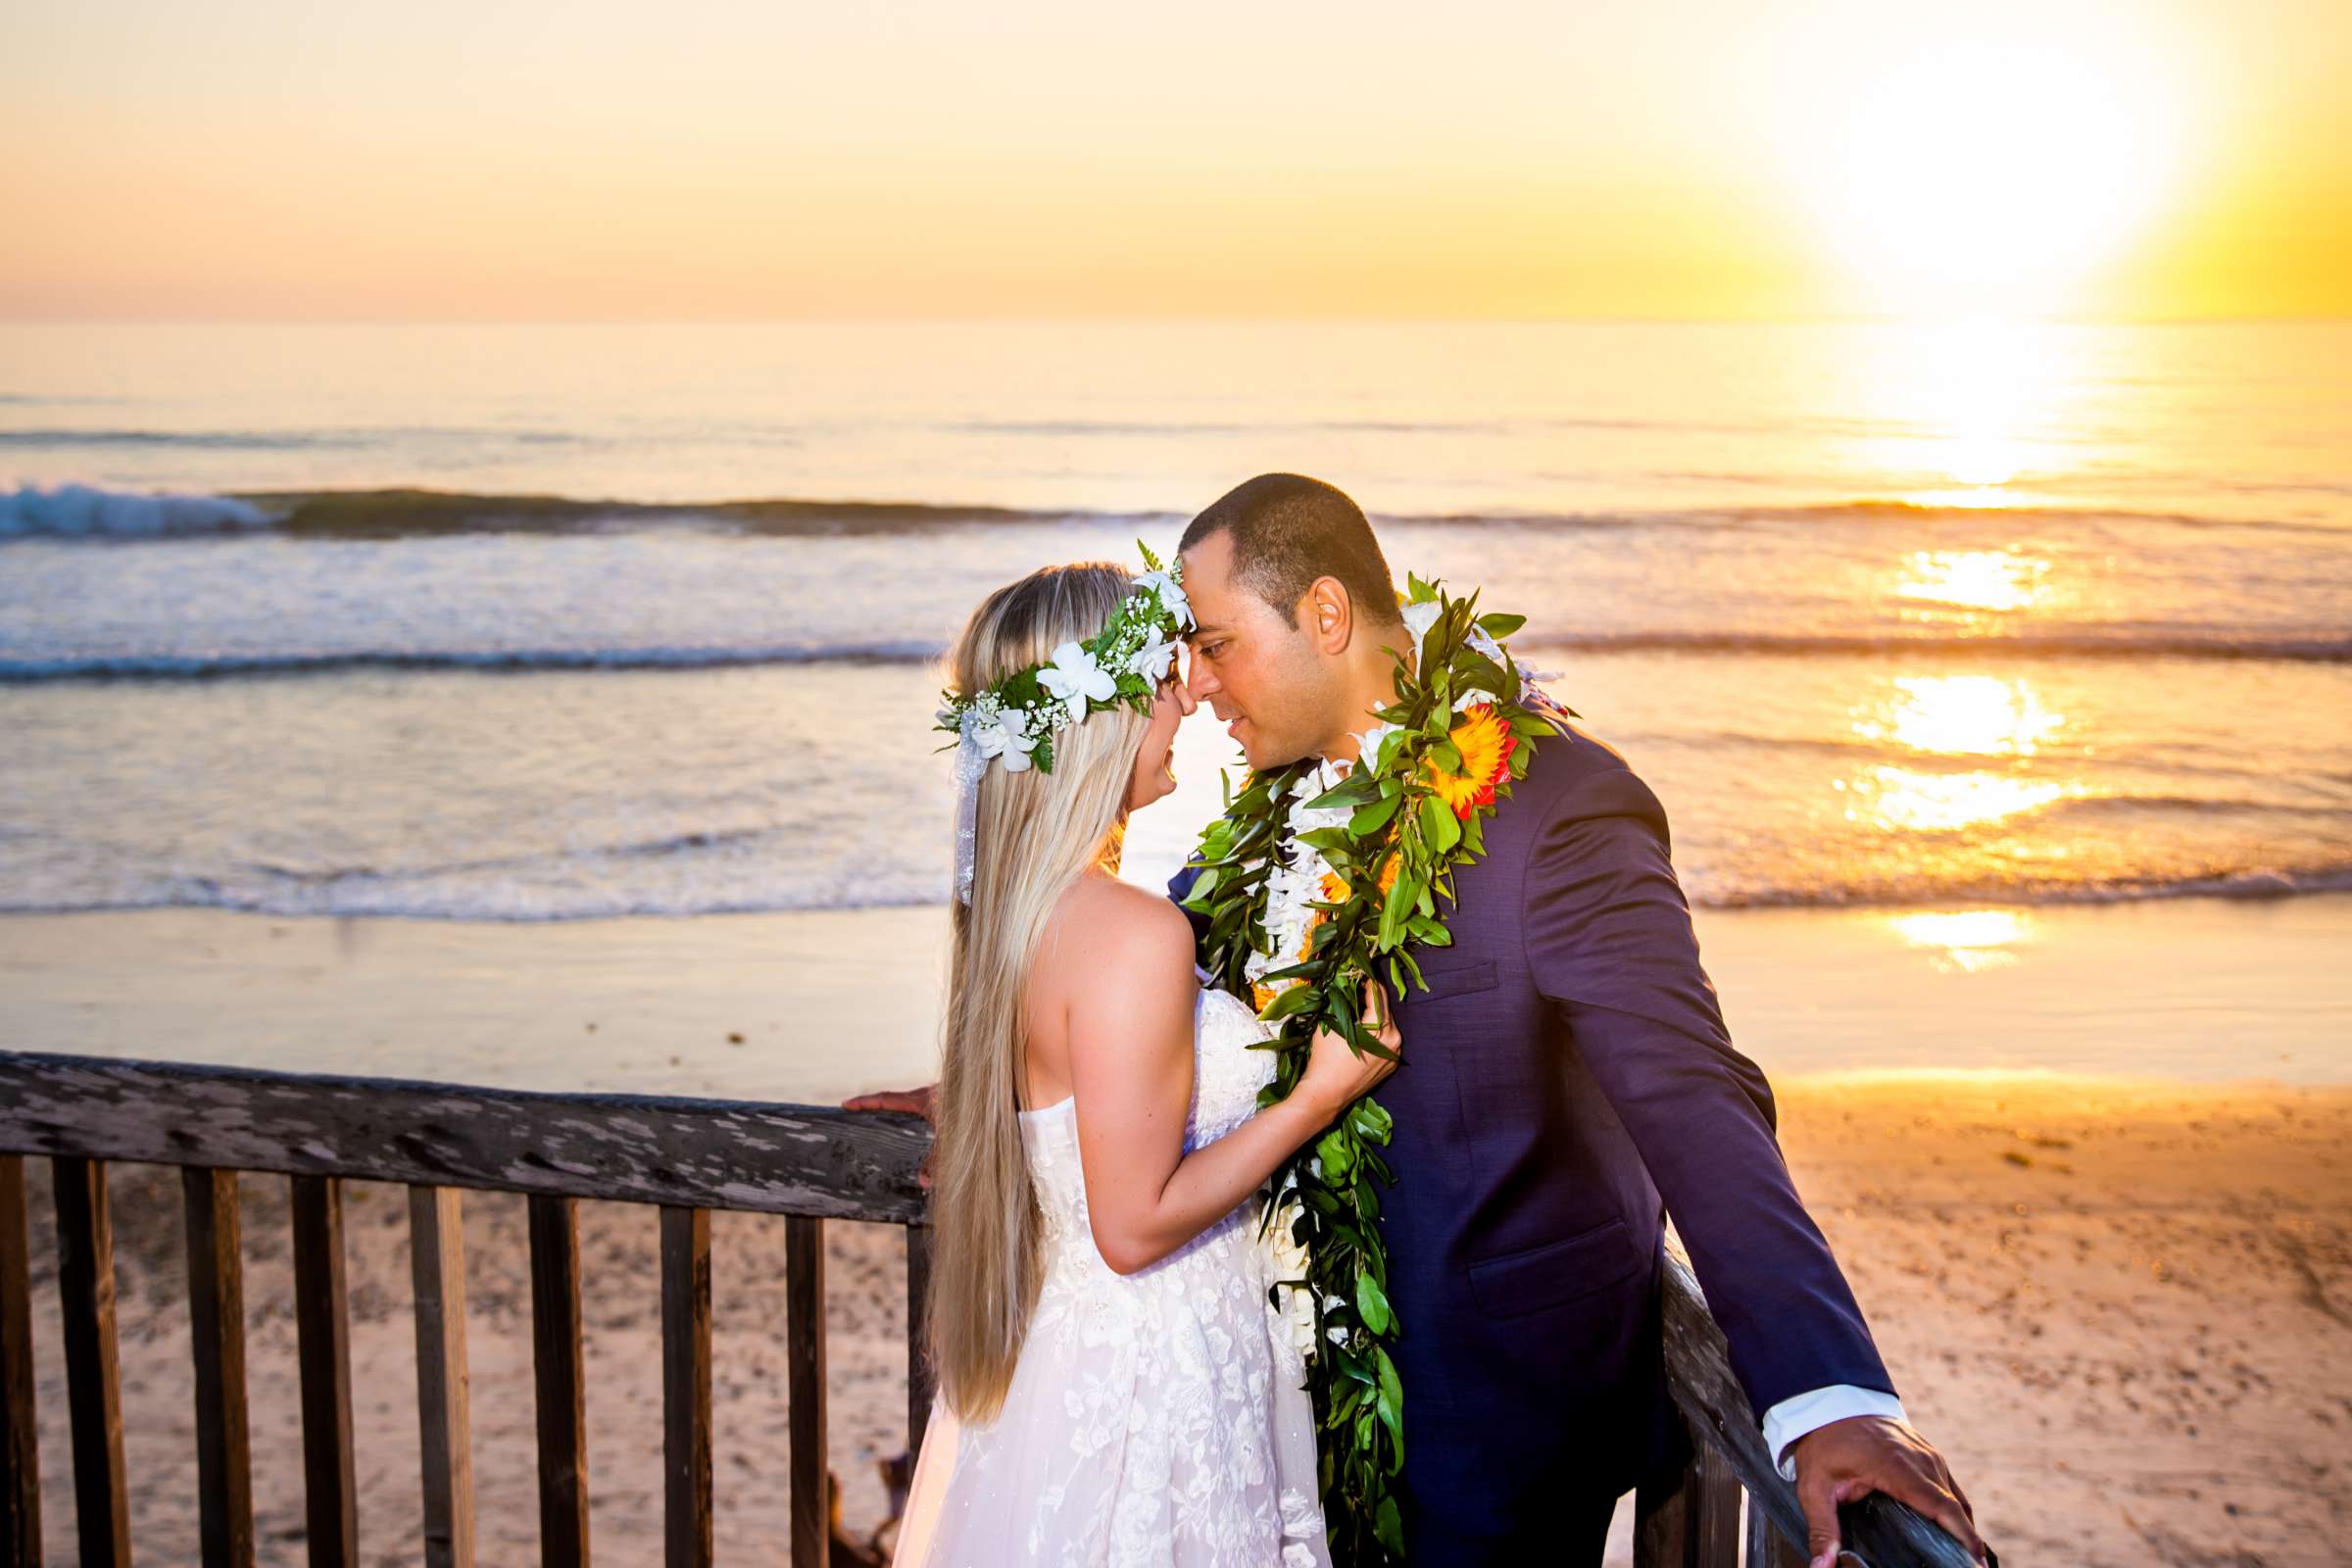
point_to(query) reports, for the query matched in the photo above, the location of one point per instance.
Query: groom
(1567, 1084)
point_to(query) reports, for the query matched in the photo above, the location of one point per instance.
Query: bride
(1115, 1386)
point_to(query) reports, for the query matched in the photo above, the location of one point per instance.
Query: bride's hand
(1336, 1076)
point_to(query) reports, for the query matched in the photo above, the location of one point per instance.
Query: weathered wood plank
(323, 1327)
(85, 1289)
(217, 1341)
(1699, 1374)
(919, 1384)
(20, 1427)
(703, 1154)
(686, 1387)
(561, 1388)
(1715, 1516)
(805, 1389)
(437, 1261)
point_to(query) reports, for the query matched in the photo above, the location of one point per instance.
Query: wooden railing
(1692, 1518)
(688, 1157)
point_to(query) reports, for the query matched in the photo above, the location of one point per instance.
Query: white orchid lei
(1012, 721)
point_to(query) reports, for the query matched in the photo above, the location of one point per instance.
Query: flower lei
(1299, 919)
(1013, 720)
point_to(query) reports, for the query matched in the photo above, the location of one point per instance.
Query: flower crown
(1014, 719)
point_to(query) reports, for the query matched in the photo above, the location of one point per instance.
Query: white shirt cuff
(1800, 1413)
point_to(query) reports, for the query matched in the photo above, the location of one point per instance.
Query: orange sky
(724, 158)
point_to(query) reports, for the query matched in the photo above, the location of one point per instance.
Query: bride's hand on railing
(1336, 1074)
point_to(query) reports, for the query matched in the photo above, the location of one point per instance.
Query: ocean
(549, 622)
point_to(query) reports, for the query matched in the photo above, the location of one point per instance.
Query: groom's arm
(1609, 941)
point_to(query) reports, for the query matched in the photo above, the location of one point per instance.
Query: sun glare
(1974, 579)
(1981, 178)
(1962, 715)
(1966, 940)
(1942, 802)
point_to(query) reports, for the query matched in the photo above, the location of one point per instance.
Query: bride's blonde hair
(1035, 834)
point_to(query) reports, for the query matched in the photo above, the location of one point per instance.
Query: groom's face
(1266, 681)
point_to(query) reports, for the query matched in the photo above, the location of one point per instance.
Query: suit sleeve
(1179, 888)
(1609, 943)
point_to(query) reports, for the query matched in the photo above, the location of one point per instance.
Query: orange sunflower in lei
(1486, 742)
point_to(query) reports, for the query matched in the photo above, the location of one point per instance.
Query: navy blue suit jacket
(1567, 1081)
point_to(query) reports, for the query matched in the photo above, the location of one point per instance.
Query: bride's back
(1105, 937)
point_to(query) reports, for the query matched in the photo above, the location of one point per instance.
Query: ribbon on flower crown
(970, 764)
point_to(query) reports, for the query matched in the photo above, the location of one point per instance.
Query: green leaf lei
(1395, 811)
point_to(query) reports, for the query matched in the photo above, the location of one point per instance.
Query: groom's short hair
(1288, 530)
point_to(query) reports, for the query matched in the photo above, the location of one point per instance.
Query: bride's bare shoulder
(1105, 930)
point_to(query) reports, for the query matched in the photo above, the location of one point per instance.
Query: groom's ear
(1327, 616)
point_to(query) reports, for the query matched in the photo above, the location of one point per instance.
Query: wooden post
(85, 1289)
(1768, 1545)
(217, 1338)
(19, 1427)
(804, 1391)
(1689, 1518)
(686, 1386)
(322, 1325)
(919, 1386)
(561, 1389)
(437, 1261)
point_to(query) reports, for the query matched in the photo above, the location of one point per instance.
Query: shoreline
(816, 1006)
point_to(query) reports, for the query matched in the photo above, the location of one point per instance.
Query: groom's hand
(1865, 1454)
(914, 1101)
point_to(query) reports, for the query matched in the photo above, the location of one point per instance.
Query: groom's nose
(1198, 684)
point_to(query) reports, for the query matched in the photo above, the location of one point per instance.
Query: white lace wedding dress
(1155, 1420)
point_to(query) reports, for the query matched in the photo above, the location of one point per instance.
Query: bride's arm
(1131, 1068)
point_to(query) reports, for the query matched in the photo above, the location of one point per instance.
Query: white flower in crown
(1167, 583)
(1073, 677)
(1153, 659)
(1418, 618)
(1003, 733)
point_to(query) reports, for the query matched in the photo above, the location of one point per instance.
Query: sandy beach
(2121, 1305)
(2124, 1314)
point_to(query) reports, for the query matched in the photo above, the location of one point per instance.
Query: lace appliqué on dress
(1158, 1419)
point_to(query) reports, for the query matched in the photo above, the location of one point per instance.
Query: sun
(1990, 177)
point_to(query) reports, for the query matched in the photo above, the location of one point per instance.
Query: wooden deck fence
(688, 1157)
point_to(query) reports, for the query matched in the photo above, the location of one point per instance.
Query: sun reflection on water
(1953, 715)
(1975, 579)
(1934, 803)
(1963, 715)
(1966, 940)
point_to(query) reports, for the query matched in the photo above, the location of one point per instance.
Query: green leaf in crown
(1314, 880)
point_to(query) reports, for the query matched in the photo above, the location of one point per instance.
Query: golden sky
(490, 159)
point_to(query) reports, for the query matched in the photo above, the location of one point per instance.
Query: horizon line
(1873, 318)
